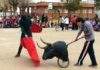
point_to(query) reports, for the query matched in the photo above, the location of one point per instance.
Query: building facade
(44, 8)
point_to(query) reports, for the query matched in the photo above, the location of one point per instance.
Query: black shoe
(17, 55)
(93, 65)
(77, 64)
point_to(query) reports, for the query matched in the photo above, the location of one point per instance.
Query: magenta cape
(29, 44)
(36, 28)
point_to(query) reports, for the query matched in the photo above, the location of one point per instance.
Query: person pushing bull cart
(86, 27)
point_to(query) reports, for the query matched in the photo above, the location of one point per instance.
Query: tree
(72, 5)
(1, 9)
(97, 4)
(5, 8)
(13, 4)
(23, 4)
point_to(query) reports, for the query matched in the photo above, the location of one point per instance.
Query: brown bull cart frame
(65, 64)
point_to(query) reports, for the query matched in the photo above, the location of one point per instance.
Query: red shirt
(73, 20)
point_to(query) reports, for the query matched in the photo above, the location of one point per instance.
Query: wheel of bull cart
(63, 64)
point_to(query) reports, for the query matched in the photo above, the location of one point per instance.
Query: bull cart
(62, 63)
(59, 50)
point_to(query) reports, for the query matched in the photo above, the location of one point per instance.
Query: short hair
(80, 20)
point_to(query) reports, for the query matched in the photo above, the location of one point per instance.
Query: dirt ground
(9, 42)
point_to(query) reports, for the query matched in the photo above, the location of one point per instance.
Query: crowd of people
(9, 22)
(64, 22)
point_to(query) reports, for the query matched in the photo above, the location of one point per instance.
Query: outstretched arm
(79, 33)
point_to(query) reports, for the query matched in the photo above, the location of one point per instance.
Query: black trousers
(74, 26)
(29, 34)
(88, 48)
(62, 26)
(66, 26)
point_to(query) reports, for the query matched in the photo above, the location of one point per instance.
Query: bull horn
(40, 46)
(44, 42)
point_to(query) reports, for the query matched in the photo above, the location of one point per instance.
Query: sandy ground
(9, 42)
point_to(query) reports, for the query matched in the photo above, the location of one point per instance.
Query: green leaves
(97, 4)
(72, 5)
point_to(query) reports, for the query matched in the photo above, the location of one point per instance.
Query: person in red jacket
(74, 23)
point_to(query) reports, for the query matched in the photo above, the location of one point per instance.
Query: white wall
(88, 1)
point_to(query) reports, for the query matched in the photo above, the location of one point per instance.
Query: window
(46, 10)
(50, 5)
(84, 11)
(60, 10)
(30, 10)
(78, 11)
(65, 11)
(90, 11)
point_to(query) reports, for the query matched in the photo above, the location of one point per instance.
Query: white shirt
(62, 19)
(66, 20)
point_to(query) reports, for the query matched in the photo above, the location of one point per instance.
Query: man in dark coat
(25, 23)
